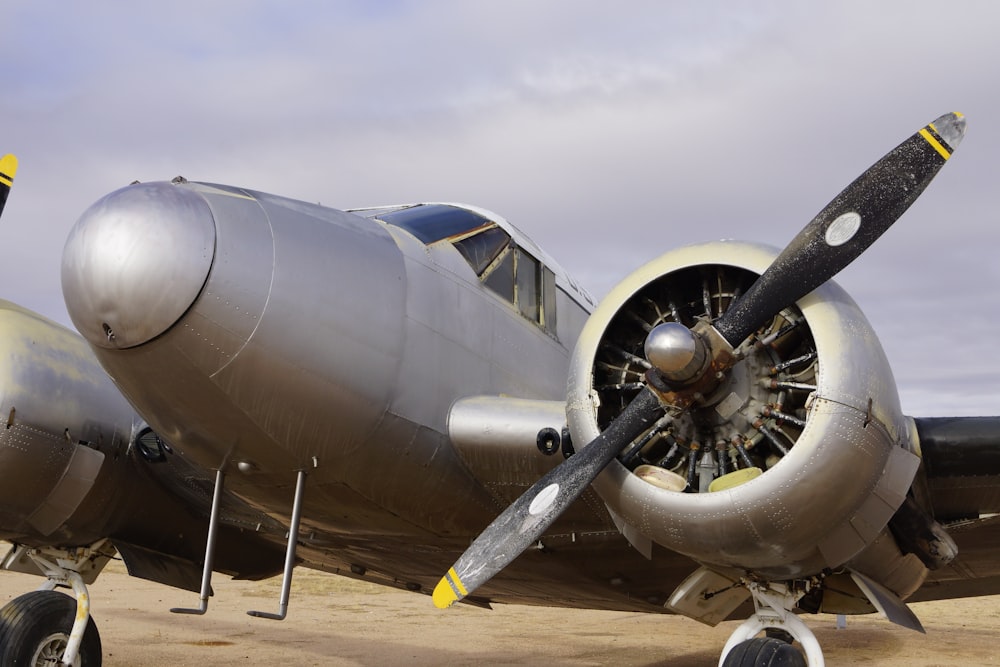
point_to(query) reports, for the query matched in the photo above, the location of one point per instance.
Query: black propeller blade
(526, 519)
(846, 227)
(838, 235)
(8, 167)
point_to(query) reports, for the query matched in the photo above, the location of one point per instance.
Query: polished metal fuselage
(325, 342)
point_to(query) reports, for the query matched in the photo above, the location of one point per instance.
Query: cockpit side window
(548, 318)
(529, 286)
(502, 265)
(500, 276)
(479, 250)
(521, 279)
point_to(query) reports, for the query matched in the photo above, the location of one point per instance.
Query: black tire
(37, 625)
(764, 652)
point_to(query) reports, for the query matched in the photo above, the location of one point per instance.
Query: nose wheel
(764, 652)
(773, 604)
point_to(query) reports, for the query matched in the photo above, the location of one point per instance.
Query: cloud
(609, 134)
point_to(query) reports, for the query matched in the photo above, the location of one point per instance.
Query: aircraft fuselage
(315, 340)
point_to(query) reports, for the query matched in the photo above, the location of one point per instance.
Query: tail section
(8, 167)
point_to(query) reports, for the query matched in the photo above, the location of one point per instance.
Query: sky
(608, 133)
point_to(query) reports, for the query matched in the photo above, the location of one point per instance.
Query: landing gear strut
(774, 604)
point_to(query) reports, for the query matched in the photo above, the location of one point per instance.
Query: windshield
(433, 222)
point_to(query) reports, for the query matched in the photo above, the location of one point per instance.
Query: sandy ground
(334, 621)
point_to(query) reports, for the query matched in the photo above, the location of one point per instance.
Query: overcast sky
(608, 134)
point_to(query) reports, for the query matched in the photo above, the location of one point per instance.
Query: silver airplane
(418, 396)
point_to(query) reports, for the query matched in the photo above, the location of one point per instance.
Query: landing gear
(35, 630)
(46, 628)
(774, 604)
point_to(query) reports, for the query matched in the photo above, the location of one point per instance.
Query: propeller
(8, 167)
(843, 230)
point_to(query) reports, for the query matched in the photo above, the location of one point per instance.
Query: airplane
(419, 396)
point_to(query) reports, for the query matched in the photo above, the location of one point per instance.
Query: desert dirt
(333, 621)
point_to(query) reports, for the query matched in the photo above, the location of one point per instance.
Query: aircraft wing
(961, 483)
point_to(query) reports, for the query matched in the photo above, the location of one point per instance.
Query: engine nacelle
(797, 460)
(64, 425)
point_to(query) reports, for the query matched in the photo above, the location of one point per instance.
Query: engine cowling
(793, 464)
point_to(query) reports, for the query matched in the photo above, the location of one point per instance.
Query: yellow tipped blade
(8, 167)
(447, 590)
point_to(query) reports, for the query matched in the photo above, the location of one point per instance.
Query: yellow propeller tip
(8, 167)
(444, 595)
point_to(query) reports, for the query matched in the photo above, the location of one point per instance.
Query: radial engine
(791, 463)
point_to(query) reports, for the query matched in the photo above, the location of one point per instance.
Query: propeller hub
(676, 351)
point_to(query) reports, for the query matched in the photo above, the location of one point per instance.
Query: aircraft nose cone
(135, 262)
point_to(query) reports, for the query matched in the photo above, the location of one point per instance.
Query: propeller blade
(8, 167)
(846, 227)
(523, 522)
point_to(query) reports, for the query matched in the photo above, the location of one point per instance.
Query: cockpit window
(521, 279)
(433, 222)
(529, 286)
(501, 264)
(500, 277)
(479, 250)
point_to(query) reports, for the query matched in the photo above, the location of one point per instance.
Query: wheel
(764, 652)
(34, 630)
